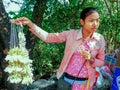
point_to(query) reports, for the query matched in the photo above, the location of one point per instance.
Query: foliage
(47, 57)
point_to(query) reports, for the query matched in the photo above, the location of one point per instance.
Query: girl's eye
(98, 20)
(91, 20)
(94, 20)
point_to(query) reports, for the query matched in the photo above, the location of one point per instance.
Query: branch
(16, 2)
(82, 2)
(108, 8)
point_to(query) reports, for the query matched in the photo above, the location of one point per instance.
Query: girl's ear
(82, 22)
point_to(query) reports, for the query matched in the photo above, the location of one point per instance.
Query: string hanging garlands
(19, 64)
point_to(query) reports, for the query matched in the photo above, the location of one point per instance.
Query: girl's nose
(96, 23)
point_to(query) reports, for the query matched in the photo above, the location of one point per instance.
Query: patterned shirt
(77, 61)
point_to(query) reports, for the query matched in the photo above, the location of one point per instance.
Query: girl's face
(91, 22)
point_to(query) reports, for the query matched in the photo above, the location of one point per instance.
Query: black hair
(87, 11)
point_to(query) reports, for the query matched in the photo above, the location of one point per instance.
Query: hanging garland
(19, 65)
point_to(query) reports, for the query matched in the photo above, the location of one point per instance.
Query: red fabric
(96, 75)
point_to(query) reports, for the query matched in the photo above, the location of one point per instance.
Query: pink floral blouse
(77, 61)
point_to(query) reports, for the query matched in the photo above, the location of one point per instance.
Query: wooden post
(118, 59)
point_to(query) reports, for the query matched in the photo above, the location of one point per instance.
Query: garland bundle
(19, 65)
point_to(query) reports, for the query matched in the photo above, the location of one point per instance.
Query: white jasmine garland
(19, 65)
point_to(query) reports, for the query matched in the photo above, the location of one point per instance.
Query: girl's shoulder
(98, 36)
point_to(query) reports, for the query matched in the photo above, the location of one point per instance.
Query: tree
(4, 30)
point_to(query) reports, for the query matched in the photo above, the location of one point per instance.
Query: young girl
(82, 45)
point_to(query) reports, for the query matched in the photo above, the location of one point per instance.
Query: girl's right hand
(23, 21)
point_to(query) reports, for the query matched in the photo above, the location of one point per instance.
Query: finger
(15, 22)
(18, 21)
(12, 21)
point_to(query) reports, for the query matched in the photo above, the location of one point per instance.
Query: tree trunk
(38, 11)
(4, 42)
(118, 59)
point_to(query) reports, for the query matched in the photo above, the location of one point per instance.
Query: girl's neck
(86, 35)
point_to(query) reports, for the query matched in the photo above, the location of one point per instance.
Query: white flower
(22, 39)
(27, 80)
(8, 69)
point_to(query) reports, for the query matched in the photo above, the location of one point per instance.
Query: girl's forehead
(93, 15)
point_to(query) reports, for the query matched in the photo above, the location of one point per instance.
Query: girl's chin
(93, 30)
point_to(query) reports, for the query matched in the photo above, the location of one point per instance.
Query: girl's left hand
(86, 55)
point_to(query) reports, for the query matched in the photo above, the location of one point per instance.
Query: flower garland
(19, 65)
